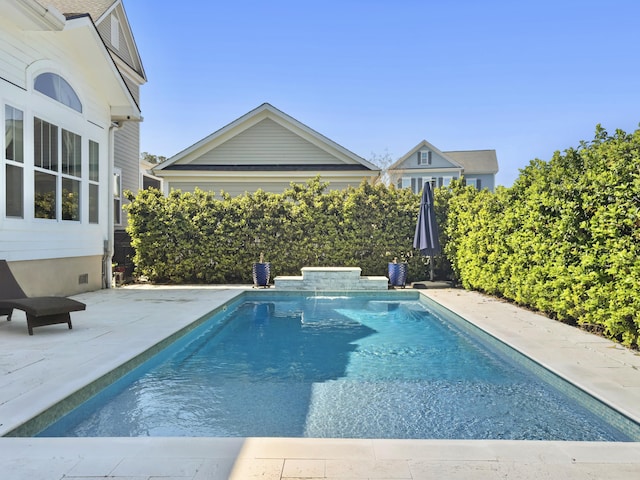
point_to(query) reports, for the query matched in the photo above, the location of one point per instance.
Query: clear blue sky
(524, 78)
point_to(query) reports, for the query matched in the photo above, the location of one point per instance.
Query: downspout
(107, 273)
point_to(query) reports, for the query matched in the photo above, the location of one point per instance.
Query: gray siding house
(425, 163)
(264, 149)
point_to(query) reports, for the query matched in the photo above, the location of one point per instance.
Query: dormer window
(56, 87)
(424, 157)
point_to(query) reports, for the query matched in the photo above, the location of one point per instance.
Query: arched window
(58, 88)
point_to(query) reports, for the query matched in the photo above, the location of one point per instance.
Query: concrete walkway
(37, 372)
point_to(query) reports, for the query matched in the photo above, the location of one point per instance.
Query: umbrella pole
(431, 267)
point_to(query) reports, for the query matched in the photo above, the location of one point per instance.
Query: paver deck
(38, 371)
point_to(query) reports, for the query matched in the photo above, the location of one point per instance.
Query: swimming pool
(382, 366)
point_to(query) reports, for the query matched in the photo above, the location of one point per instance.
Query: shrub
(565, 239)
(194, 237)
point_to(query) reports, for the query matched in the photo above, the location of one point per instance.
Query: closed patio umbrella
(426, 237)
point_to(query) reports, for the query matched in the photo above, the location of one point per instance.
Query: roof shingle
(95, 8)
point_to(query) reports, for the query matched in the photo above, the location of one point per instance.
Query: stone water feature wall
(331, 279)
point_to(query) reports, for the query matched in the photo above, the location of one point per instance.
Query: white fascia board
(124, 66)
(200, 174)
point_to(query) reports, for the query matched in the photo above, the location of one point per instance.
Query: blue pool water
(379, 366)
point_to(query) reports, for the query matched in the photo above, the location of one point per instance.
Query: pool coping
(56, 361)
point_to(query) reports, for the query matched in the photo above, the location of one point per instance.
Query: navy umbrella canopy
(426, 237)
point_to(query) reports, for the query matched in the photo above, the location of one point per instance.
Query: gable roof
(98, 11)
(471, 161)
(424, 145)
(253, 118)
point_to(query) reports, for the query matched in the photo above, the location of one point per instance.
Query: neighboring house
(147, 178)
(264, 149)
(69, 79)
(425, 163)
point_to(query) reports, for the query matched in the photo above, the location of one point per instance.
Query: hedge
(565, 239)
(196, 237)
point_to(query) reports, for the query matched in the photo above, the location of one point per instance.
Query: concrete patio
(37, 372)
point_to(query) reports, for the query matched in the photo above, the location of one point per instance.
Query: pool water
(380, 366)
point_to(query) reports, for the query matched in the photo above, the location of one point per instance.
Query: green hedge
(565, 239)
(194, 237)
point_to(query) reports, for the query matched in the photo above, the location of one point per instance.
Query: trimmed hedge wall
(194, 237)
(565, 239)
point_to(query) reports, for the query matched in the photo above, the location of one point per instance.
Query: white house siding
(52, 256)
(266, 142)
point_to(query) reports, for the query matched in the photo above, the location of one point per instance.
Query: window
(94, 178)
(115, 32)
(71, 172)
(48, 168)
(70, 199)
(45, 143)
(417, 183)
(424, 157)
(14, 167)
(117, 196)
(71, 154)
(45, 191)
(14, 134)
(474, 182)
(56, 87)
